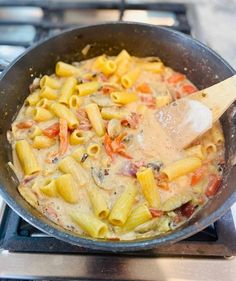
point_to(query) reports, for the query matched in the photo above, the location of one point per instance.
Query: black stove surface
(23, 23)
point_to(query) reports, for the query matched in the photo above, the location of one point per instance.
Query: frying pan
(201, 65)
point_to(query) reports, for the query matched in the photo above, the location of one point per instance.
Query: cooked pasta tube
(123, 97)
(65, 69)
(87, 88)
(29, 111)
(49, 82)
(128, 79)
(196, 151)
(208, 143)
(109, 113)
(67, 90)
(122, 206)
(76, 137)
(99, 61)
(28, 195)
(41, 114)
(90, 224)
(75, 102)
(93, 149)
(78, 154)
(48, 93)
(45, 103)
(41, 142)
(49, 188)
(98, 202)
(62, 111)
(33, 98)
(149, 187)
(95, 118)
(175, 201)
(67, 188)
(139, 215)
(36, 132)
(181, 167)
(109, 67)
(122, 56)
(217, 135)
(68, 165)
(26, 157)
(162, 100)
(156, 67)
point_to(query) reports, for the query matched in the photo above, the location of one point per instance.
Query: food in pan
(90, 155)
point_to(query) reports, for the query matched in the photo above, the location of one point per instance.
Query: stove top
(23, 23)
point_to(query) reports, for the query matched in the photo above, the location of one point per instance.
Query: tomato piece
(25, 124)
(124, 154)
(176, 78)
(108, 90)
(52, 131)
(187, 209)
(108, 146)
(188, 89)
(144, 88)
(213, 184)
(63, 136)
(198, 176)
(155, 213)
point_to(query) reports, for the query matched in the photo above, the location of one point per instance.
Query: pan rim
(119, 246)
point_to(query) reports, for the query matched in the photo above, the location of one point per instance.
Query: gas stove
(26, 252)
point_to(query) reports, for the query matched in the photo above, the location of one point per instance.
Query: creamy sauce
(146, 143)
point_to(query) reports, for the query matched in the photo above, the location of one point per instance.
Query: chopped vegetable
(144, 88)
(52, 131)
(63, 136)
(198, 176)
(187, 209)
(213, 184)
(176, 78)
(188, 89)
(25, 125)
(107, 145)
(155, 213)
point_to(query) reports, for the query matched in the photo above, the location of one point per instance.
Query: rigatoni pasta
(91, 156)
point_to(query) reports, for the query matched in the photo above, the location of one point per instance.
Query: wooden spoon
(186, 119)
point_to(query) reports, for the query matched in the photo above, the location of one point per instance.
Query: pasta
(149, 187)
(91, 156)
(26, 157)
(95, 118)
(122, 207)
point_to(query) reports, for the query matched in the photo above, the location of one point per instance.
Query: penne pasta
(45, 103)
(36, 132)
(62, 111)
(68, 165)
(26, 157)
(181, 167)
(41, 142)
(93, 149)
(33, 98)
(65, 70)
(122, 56)
(78, 153)
(49, 188)
(139, 215)
(123, 97)
(122, 207)
(128, 79)
(90, 224)
(49, 82)
(41, 114)
(48, 93)
(76, 137)
(175, 201)
(98, 202)
(196, 151)
(149, 187)
(88, 88)
(156, 67)
(95, 118)
(109, 113)
(67, 188)
(74, 102)
(217, 135)
(67, 90)
(208, 143)
(163, 100)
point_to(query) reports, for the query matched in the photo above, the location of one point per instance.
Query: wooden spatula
(186, 119)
